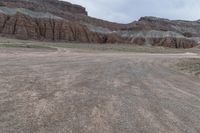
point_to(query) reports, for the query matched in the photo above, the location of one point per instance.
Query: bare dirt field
(68, 91)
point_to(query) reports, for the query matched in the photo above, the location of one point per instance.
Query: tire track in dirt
(84, 92)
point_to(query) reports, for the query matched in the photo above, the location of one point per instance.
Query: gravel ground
(66, 91)
(190, 66)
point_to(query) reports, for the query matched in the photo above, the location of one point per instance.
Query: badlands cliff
(55, 20)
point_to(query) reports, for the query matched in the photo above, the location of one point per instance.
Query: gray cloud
(126, 11)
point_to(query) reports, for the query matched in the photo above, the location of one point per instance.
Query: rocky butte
(55, 20)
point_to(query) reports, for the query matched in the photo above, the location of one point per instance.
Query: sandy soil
(68, 92)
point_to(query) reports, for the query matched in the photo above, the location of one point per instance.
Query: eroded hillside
(62, 21)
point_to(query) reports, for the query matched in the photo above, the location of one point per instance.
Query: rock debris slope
(55, 20)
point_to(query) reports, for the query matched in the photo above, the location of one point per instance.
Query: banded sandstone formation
(55, 20)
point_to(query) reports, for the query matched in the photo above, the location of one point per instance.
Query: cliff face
(25, 27)
(186, 28)
(45, 5)
(57, 20)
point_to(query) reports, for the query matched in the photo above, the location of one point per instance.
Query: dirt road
(69, 92)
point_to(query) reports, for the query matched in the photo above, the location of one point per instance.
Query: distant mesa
(55, 20)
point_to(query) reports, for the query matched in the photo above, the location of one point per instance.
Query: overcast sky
(125, 11)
